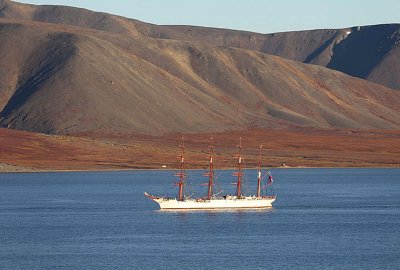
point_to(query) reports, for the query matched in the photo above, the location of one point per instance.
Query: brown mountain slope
(62, 80)
(369, 52)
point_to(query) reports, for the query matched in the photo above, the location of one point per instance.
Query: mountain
(106, 78)
(368, 52)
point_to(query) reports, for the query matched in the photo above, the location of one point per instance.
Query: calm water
(323, 218)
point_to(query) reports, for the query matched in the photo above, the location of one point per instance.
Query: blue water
(323, 219)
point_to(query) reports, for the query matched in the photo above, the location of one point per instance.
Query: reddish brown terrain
(109, 92)
(26, 151)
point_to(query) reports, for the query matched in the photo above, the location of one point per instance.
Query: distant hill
(63, 79)
(368, 52)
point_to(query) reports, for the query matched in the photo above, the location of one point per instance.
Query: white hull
(226, 202)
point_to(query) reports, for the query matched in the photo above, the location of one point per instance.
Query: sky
(263, 16)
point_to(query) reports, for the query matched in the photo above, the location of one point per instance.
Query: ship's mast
(239, 173)
(181, 174)
(211, 171)
(259, 174)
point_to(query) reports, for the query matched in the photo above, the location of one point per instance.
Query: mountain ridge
(92, 82)
(66, 79)
(344, 49)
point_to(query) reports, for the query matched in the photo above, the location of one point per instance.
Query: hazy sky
(252, 15)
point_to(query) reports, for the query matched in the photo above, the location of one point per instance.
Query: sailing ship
(216, 201)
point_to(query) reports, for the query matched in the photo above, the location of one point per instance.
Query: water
(323, 218)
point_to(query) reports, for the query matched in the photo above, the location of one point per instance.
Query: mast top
(182, 148)
(182, 173)
(239, 172)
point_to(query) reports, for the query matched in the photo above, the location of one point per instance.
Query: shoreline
(163, 169)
